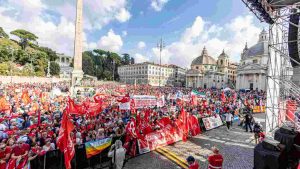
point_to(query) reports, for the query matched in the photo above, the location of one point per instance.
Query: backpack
(256, 129)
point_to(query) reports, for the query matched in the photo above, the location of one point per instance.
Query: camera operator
(117, 152)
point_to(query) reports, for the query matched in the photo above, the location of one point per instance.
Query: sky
(136, 26)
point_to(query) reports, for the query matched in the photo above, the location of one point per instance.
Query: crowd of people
(30, 114)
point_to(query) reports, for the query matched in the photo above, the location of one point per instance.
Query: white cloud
(141, 45)
(194, 31)
(96, 13)
(123, 15)
(231, 37)
(59, 34)
(157, 5)
(139, 58)
(124, 33)
(56, 36)
(111, 42)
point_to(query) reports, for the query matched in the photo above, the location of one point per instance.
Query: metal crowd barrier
(55, 159)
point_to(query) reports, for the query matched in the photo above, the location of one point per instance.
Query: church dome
(203, 59)
(223, 55)
(261, 48)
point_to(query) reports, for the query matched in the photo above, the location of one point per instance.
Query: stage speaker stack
(271, 145)
(293, 38)
(268, 154)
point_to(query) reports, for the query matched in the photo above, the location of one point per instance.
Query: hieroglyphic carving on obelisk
(77, 73)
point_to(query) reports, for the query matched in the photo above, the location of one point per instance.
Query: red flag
(64, 141)
(131, 128)
(25, 97)
(184, 122)
(194, 125)
(194, 100)
(77, 109)
(98, 98)
(93, 109)
(131, 137)
(124, 99)
(223, 98)
(4, 105)
(132, 106)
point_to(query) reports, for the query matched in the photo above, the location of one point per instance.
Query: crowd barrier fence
(55, 159)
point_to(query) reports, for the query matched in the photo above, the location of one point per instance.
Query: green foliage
(131, 60)
(4, 68)
(32, 60)
(88, 63)
(54, 68)
(26, 37)
(3, 34)
(103, 64)
(126, 59)
(52, 56)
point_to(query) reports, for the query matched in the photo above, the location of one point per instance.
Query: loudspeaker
(293, 39)
(271, 144)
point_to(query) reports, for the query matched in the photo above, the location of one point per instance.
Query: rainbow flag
(95, 147)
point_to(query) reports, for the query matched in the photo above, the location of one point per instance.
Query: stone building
(206, 72)
(64, 64)
(152, 74)
(252, 70)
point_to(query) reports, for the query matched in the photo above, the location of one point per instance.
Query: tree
(3, 34)
(25, 37)
(131, 60)
(51, 54)
(4, 68)
(54, 68)
(126, 59)
(88, 64)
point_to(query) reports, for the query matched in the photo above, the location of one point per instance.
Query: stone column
(77, 73)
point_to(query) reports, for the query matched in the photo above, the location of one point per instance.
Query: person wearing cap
(215, 160)
(192, 163)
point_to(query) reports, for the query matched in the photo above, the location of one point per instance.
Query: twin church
(206, 72)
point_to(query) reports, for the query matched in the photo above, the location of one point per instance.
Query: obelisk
(77, 73)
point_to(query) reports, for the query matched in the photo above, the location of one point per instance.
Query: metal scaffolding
(280, 85)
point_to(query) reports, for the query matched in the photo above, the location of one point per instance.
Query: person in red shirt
(4, 155)
(192, 163)
(215, 160)
(19, 155)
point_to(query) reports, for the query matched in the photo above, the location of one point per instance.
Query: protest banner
(212, 122)
(124, 106)
(161, 101)
(142, 101)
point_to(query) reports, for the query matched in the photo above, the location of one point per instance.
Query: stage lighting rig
(261, 9)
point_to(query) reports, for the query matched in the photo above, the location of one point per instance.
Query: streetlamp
(160, 46)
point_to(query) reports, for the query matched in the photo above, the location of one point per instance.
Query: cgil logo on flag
(95, 147)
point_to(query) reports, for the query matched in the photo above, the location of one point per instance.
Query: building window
(221, 62)
(255, 61)
(197, 67)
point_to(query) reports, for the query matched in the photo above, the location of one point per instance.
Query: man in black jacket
(248, 119)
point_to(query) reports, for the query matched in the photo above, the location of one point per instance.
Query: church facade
(252, 70)
(206, 72)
